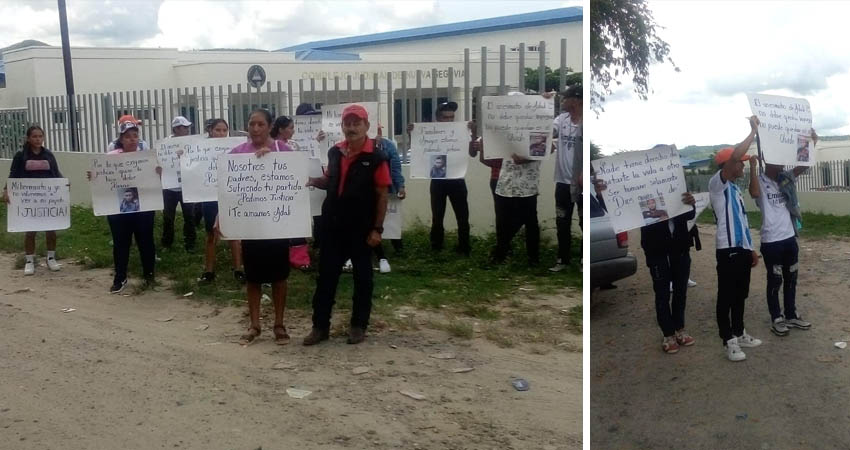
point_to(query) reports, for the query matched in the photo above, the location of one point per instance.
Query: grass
(815, 225)
(420, 277)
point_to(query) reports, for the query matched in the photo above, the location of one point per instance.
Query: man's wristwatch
(380, 230)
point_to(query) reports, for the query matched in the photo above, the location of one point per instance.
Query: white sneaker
(53, 265)
(384, 265)
(745, 340)
(559, 266)
(29, 268)
(347, 267)
(733, 350)
(691, 283)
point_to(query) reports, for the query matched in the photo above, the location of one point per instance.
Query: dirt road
(155, 371)
(792, 392)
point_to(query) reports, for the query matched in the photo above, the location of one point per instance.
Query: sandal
(280, 335)
(249, 337)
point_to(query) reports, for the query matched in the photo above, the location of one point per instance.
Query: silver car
(610, 259)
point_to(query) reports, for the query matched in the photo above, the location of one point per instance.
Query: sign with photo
(125, 183)
(643, 187)
(517, 124)
(38, 204)
(785, 129)
(439, 150)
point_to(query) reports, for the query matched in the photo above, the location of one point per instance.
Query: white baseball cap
(180, 121)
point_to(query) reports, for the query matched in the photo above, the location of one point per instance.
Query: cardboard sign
(125, 183)
(264, 198)
(167, 152)
(317, 196)
(439, 150)
(306, 129)
(702, 202)
(785, 129)
(643, 187)
(332, 118)
(38, 204)
(393, 220)
(517, 124)
(199, 167)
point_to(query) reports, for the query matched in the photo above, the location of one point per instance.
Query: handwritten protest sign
(439, 150)
(702, 202)
(317, 196)
(785, 129)
(643, 187)
(393, 219)
(125, 183)
(263, 198)
(167, 151)
(199, 167)
(332, 125)
(38, 204)
(520, 124)
(306, 129)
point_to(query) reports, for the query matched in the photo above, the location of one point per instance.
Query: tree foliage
(553, 78)
(595, 151)
(623, 41)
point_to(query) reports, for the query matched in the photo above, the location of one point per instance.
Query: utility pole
(69, 77)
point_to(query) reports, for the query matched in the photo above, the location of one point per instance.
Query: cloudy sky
(267, 25)
(725, 50)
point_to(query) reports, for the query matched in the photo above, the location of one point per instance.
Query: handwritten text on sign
(520, 124)
(332, 117)
(643, 187)
(39, 204)
(306, 130)
(199, 168)
(125, 183)
(167, 151)
(785, 129)
(264, 198)
(442, 144)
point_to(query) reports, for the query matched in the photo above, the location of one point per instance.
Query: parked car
(610, 259)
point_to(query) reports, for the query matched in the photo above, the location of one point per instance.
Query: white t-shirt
(569, 136)
(518, 180)
(733, 230)
(776, 222)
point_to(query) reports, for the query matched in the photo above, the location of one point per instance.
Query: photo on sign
(653, 209)
(438, 166)
(537, 144)
(803, 144)
(128, 200)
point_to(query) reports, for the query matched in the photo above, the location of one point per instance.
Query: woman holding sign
(218, 128)
(262, 257)
(35, 161)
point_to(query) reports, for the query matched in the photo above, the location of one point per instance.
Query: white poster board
(393, 220)
(317, 196)
(439, 150)
(125, 183)
(167, 153)
(702, 202)
(199, 168)
(643, 187)
(332, 125)
(263, 198)
(785, 129)
(38, 204)
(520, 124)
(306, 129)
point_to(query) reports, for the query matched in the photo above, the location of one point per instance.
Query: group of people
(360, 175)
(667, 246)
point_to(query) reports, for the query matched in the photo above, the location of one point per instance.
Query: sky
(267, 25)
(726, 49)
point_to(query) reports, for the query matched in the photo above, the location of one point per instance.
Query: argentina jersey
(733, 230)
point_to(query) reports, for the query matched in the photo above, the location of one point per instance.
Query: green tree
(623, 41)
(553, 78)
(595, 151)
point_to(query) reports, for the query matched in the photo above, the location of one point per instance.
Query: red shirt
(382, 173)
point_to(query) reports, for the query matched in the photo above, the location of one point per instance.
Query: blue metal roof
(323, 55)
(552, 16)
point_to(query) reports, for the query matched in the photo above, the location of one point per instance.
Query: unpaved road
(792, 392)
(115, 374)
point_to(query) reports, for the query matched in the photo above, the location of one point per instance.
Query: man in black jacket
(667, 248)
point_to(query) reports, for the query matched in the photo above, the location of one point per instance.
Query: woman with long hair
(35, 161)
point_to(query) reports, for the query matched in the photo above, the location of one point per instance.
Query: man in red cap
(357, 180)
(736, 255)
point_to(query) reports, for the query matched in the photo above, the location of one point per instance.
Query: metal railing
(13, 126)
(825, 176)
(97, 113)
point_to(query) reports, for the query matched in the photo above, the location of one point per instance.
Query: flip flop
(280, 335)
(250, 336)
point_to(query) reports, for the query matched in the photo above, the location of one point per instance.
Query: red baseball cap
(129, 118)
(724, 154)
(357, 110)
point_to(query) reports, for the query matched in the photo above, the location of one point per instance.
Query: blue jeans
(665, 268)
(780, 261)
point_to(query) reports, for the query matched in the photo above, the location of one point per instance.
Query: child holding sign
(35, 161)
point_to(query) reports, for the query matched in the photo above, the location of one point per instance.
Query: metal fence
(825, 176)
(97, 113)
(13, 126)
